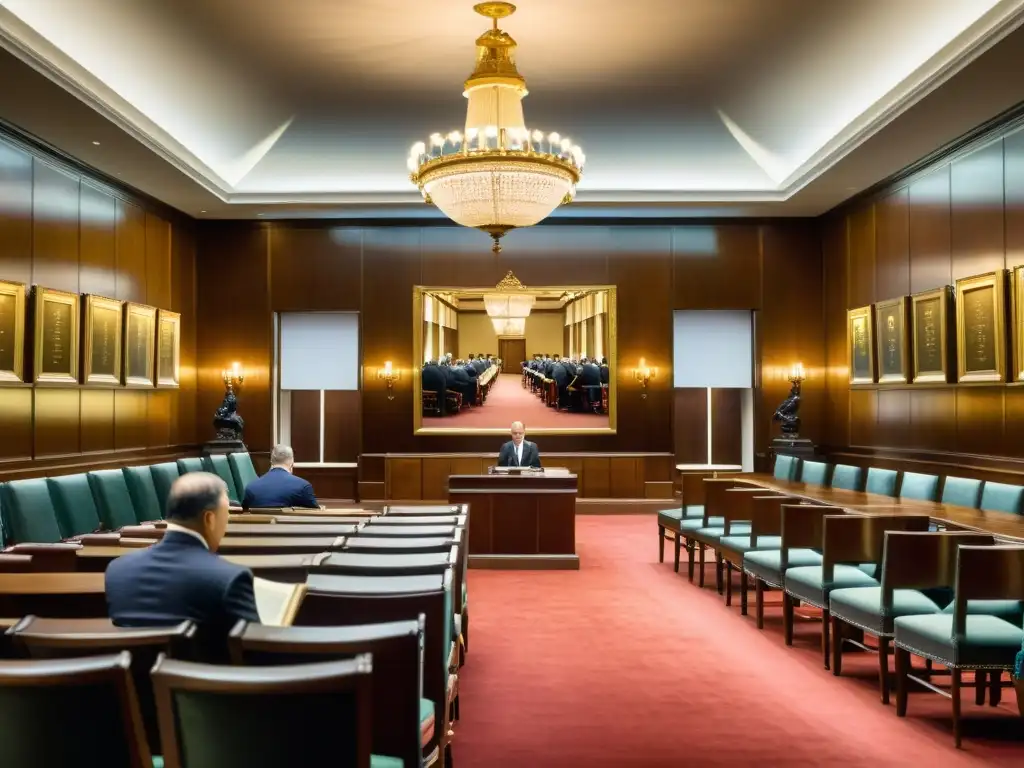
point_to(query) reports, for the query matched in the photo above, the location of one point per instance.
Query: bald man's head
(518, 432)
(199, 501)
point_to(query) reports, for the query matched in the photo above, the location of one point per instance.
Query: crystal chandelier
(496, 175)
(509, 326)
(509, 306)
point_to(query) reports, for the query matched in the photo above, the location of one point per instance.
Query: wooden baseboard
(525, 562)
(621, 506)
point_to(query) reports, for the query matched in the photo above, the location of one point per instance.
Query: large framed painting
(930, 318)
(861, 345)
(891, 340)
(101, 363)
(12, 332)
(139, 340)
(1017, 322)
(981, 328)
(168, 348)
(56, 337)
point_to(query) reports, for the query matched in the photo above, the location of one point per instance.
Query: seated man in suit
(180, 577)
(279, 487)
(519, 452)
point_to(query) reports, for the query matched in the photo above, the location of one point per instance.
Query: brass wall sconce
(233, 377)
(643, 374)
(390, 375)
(796, 373)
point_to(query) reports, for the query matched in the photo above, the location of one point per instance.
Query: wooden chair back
(737, 506)
(803, 527)
(924, 560)
(854, 539)
(235, 717)
(766, 515)
(48, 558)
(397, 669)
(986, 573)
(71, 712)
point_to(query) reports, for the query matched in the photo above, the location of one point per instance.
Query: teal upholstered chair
(814, 472)
(191, 464)
(74, 504)
(164, 476)
(786, 467)
(143, 492)
(671, 520)
(881, 481)
(29, 516)
(845, 476)
(961, 491)
(1000, 497)
(219, 466)
(243, 470)
(918, 486)
(112, 499)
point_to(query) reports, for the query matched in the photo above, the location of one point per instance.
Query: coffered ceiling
(684, 107)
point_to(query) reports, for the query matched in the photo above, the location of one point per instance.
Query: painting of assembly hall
(544, 356)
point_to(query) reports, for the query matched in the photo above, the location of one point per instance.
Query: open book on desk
(276, 602)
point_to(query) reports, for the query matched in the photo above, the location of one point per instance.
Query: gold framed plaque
(891, 337)
(861, 345)
(168, 348)
(12, 332)
(930, 314)
(101, 363)
(56, 337)
(139, 340)
(981, 328)
(1017, 322)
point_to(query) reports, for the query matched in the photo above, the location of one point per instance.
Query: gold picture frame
(1017, 322)
(55, 331)
(168, 349)
(860, 345)
(12, 332)
(139, 341)
(930, 334)
(981, 328)
(891, 343)
(101, 358)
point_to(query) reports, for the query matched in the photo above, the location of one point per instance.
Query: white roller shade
(319, 350)
(713, 348)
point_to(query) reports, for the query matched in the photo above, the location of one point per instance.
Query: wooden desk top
(272, 543)
(71, 583)
(408, 531)
(262, 562)
(374, 585)
(284, 529)
(372, 560)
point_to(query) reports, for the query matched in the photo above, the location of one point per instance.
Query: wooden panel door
(512, 352)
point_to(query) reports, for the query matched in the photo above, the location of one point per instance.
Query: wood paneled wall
(248, 271)
(62, 228)
(961, 215)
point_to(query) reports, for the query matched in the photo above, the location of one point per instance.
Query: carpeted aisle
(626, 663)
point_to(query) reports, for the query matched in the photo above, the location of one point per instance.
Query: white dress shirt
(519, 454)
(187, 531)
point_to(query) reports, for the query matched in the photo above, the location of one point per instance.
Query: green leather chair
(1000, 497)
(918, 486)
(786, 467)
(219, 466)
(671, 520)
(881, 481)
(164, 476)
(192, 464)
(814, 472)
(112, 499)
(74, 504)
(961, 491)
(29, 516)
(243, 470)
(143, 492)
(845, 476)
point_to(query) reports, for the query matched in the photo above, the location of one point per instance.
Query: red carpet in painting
(508, 402)
(625, 663)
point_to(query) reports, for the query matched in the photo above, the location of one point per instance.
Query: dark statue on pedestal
(226, 421)
(788, 412)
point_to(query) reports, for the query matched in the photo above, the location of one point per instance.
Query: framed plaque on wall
(861, 345)
(981, 328)
(891, 336)
(12, 332)
(139, 340)
(56, 337)
(101, 363)
(1017, 322)
(168, 348)
(930, 314)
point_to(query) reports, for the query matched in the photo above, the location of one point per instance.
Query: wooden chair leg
(954, 692)
(689, 556)
(980, 687)
(995, 687)
(902, 670)
(676, 544)
(759, 602)
(728, 584)
(700, 564)
(787, 618)
(661, 546)
(744, 588)
(837, 647)
(883, 668)
(826, 649)
(719, 582)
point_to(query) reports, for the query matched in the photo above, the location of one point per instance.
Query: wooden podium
(519, 521)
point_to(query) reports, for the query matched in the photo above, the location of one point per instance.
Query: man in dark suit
(519, 452)
(180, 578)
(279, 487)
(435, 381)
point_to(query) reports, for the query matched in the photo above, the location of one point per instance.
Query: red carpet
(625, 663)
(508, 402)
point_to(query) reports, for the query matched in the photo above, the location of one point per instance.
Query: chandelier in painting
(509, 306)
(496, 174)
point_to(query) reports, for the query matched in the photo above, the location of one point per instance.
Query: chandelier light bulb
(455, 137)
(554, 138)
(418, 148)
(566, 144)
(538, 137)
(412, 163)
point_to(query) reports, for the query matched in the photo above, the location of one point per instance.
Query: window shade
(319, 350)
(713, 348)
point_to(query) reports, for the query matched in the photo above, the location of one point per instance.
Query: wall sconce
(233, 376)
(390, 376)
(796, 373)
(644, 374)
